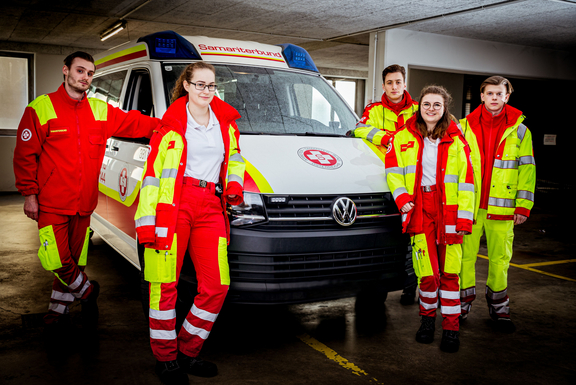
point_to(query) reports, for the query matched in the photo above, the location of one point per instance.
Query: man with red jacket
(60, 145)
(380, 121)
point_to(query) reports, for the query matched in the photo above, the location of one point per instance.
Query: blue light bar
(298, 57)
(169, 45)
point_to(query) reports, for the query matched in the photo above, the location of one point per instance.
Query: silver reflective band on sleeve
(467, 292)
(150, 181)
(506, 164)
(450, 178)
(77, 282)
(395, 170)
(195, 331)
(522, 131)
(501, 202)
(427, 294)
(466, 187)
(524, 160)
(449, 294)
(409, 170)
(429, 306)
(235, 178)
(169, 173)
(359, 125)
(58, 296)
(463, 214)
(58, 308)
(496, 295)
(203, 314)
(162, 314)
(522, 194)
(163, 334)
(399, 191)
(372, 134)
(148, 220)
(237, 158)
(450, 309)
(162, 232)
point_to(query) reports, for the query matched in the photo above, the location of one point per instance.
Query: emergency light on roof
(169, 45)
(298, 57)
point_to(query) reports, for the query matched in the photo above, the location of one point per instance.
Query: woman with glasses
(429, 173)
(193, 170)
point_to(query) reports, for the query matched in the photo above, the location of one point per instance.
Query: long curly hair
(188, 73)
(444, 122)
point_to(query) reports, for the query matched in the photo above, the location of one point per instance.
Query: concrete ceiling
(336, 32)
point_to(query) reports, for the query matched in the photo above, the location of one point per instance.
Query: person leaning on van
(193, 170)
(60, 145)
(429, 172)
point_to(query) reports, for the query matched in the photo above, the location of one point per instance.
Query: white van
(318, 220)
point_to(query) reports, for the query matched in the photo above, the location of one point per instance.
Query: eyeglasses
(202, 86)
(436, 106)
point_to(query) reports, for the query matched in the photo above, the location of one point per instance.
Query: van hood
(312, 165)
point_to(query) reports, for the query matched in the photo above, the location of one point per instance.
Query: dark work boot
(170, 373)
(408, 295)
(503, 325)
(196, 366)
(450, 341)
(90, 307)
(425, 334)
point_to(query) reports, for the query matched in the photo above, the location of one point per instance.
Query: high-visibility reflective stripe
(463, 214)
(468, 292)
(404, 216)
(372, 134)
(235, 178)
(58, 296)
(58, 308)
(236, 158)
(522, 194)
(409, 170)
(169, 173)
(501, 308)
(429, 306)
(150, 181)
(450, 229)
(148, 220)
(501, 202)
(427, 294)
(77, 282)
(161, 232)
(359, 125)
(163, 334)
(466, 187)
(399, 191)
(81, 292)
(451, 309)
(524, 160)
(498, 295)
(195, 331)
(465, 307)
(395, 170)
(506, 164)
(162, 314)
(448, 294)
(522, 131)
(203, 314)
(450, 178)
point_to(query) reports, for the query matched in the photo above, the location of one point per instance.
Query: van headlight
(249, 212)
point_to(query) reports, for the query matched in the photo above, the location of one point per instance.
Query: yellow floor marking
(526, 267)
(331, 354)
(548, 263)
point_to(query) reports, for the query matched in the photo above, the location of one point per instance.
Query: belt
(216, 188)
(428, 188)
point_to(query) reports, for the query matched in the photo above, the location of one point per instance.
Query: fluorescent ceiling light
(119, 26)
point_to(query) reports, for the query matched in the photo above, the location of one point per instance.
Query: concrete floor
(321, 343)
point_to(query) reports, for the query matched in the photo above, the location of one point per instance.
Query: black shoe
(197, 367)
(425, 334)
(90, 312)
(408, 296)
(503, 325)
(170, 373)
(450, 341)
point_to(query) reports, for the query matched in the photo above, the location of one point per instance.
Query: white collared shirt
(429, 161)
(205, 148)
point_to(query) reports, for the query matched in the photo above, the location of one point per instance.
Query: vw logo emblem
(344, 211)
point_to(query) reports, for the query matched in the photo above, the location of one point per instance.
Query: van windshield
(273, 101)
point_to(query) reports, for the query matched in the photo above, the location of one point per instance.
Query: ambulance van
(318, 220)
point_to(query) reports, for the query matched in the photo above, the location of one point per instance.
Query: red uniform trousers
(200, 230)
(439, 282)
(63, 250)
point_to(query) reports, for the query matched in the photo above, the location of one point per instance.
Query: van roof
(168, 45)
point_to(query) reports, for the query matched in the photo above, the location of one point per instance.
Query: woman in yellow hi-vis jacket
(193, 170)
(429, 173)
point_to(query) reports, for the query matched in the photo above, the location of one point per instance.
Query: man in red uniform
(60, 145)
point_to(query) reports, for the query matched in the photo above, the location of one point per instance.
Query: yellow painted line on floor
(526, 267)
(549, 263)
(331, 354)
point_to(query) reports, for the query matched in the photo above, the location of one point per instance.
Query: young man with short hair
(505, 174)
(60, 145)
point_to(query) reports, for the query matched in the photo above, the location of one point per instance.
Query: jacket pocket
(453, 259)
(160, 265)
(421, 257)
(48, 252)
(97, 142)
